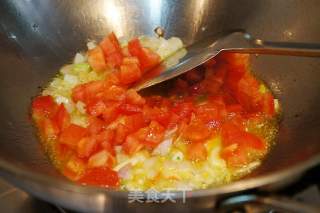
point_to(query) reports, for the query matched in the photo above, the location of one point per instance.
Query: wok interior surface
(37, 37)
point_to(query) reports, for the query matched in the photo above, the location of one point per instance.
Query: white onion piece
(91, 45)
(71, 79)
(124, 172)
(79, 58)
(163, 148)
(66, 69)
(81, 107)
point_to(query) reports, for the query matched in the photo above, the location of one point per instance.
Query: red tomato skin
(72, 135)
(114, 93)
(132, 97)
(121, 133)
(102, 176)
(155, 134)
(110, 44)
(96, 108)
(86, 146)
(62, 117)
(129, 109)
(107, 135)
(95, 125)
(196, 131)
(131, 145)
(44, 105)
(96, 59)
(146, 57)
(49, 128)
(129, 73)
(112, 50)
(268, 105)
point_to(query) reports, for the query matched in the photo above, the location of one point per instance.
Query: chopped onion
(79, 58)
(71, 79)
(66, 69)
(81, 107)
(124, 172)
(163, 148)
(91, 45)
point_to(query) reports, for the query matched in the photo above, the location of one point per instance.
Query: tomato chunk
(112, 50)
(62, 117)
(102, 176)
(129, 73)
(96, 59)
(146, 57)
(72, 135)
(132, 145)
(43, 105)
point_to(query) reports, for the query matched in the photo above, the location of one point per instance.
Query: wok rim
(237, 186)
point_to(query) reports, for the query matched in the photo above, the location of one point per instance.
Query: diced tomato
(184, 109)
(151, 59)
(95, 125)
(146, 57)
(103, 176)
(94, 87)
(131, 145)
(132, 97)
(72, 135)
(268, 104)
(112, 79)
(101, 159)
(86, 147)
(129, 73)
(112, 50)
(155, 134)
(210, 113)
(196, 131)
(248, 93)
(115, 59)
(237, 144)
(74, 168)
(134, 122)
(129, 109)
(114, 93)
(78, 93)
(106, 135)
(196, 151)
(49, 128)
(96, 108)
(110, 44)
(234, 155)
(121, 133)
(43, 105)
(131, 60)
(62, 117)
(63, 152)
(234, 108)
(111, 113)
(96, 59)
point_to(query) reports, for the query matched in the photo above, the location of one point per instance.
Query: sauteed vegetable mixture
(208, 127)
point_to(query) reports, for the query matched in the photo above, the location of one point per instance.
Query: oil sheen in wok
(209, 127)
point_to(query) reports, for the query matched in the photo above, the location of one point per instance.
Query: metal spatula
(238, 41)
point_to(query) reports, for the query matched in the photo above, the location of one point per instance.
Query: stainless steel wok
(38, 36)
